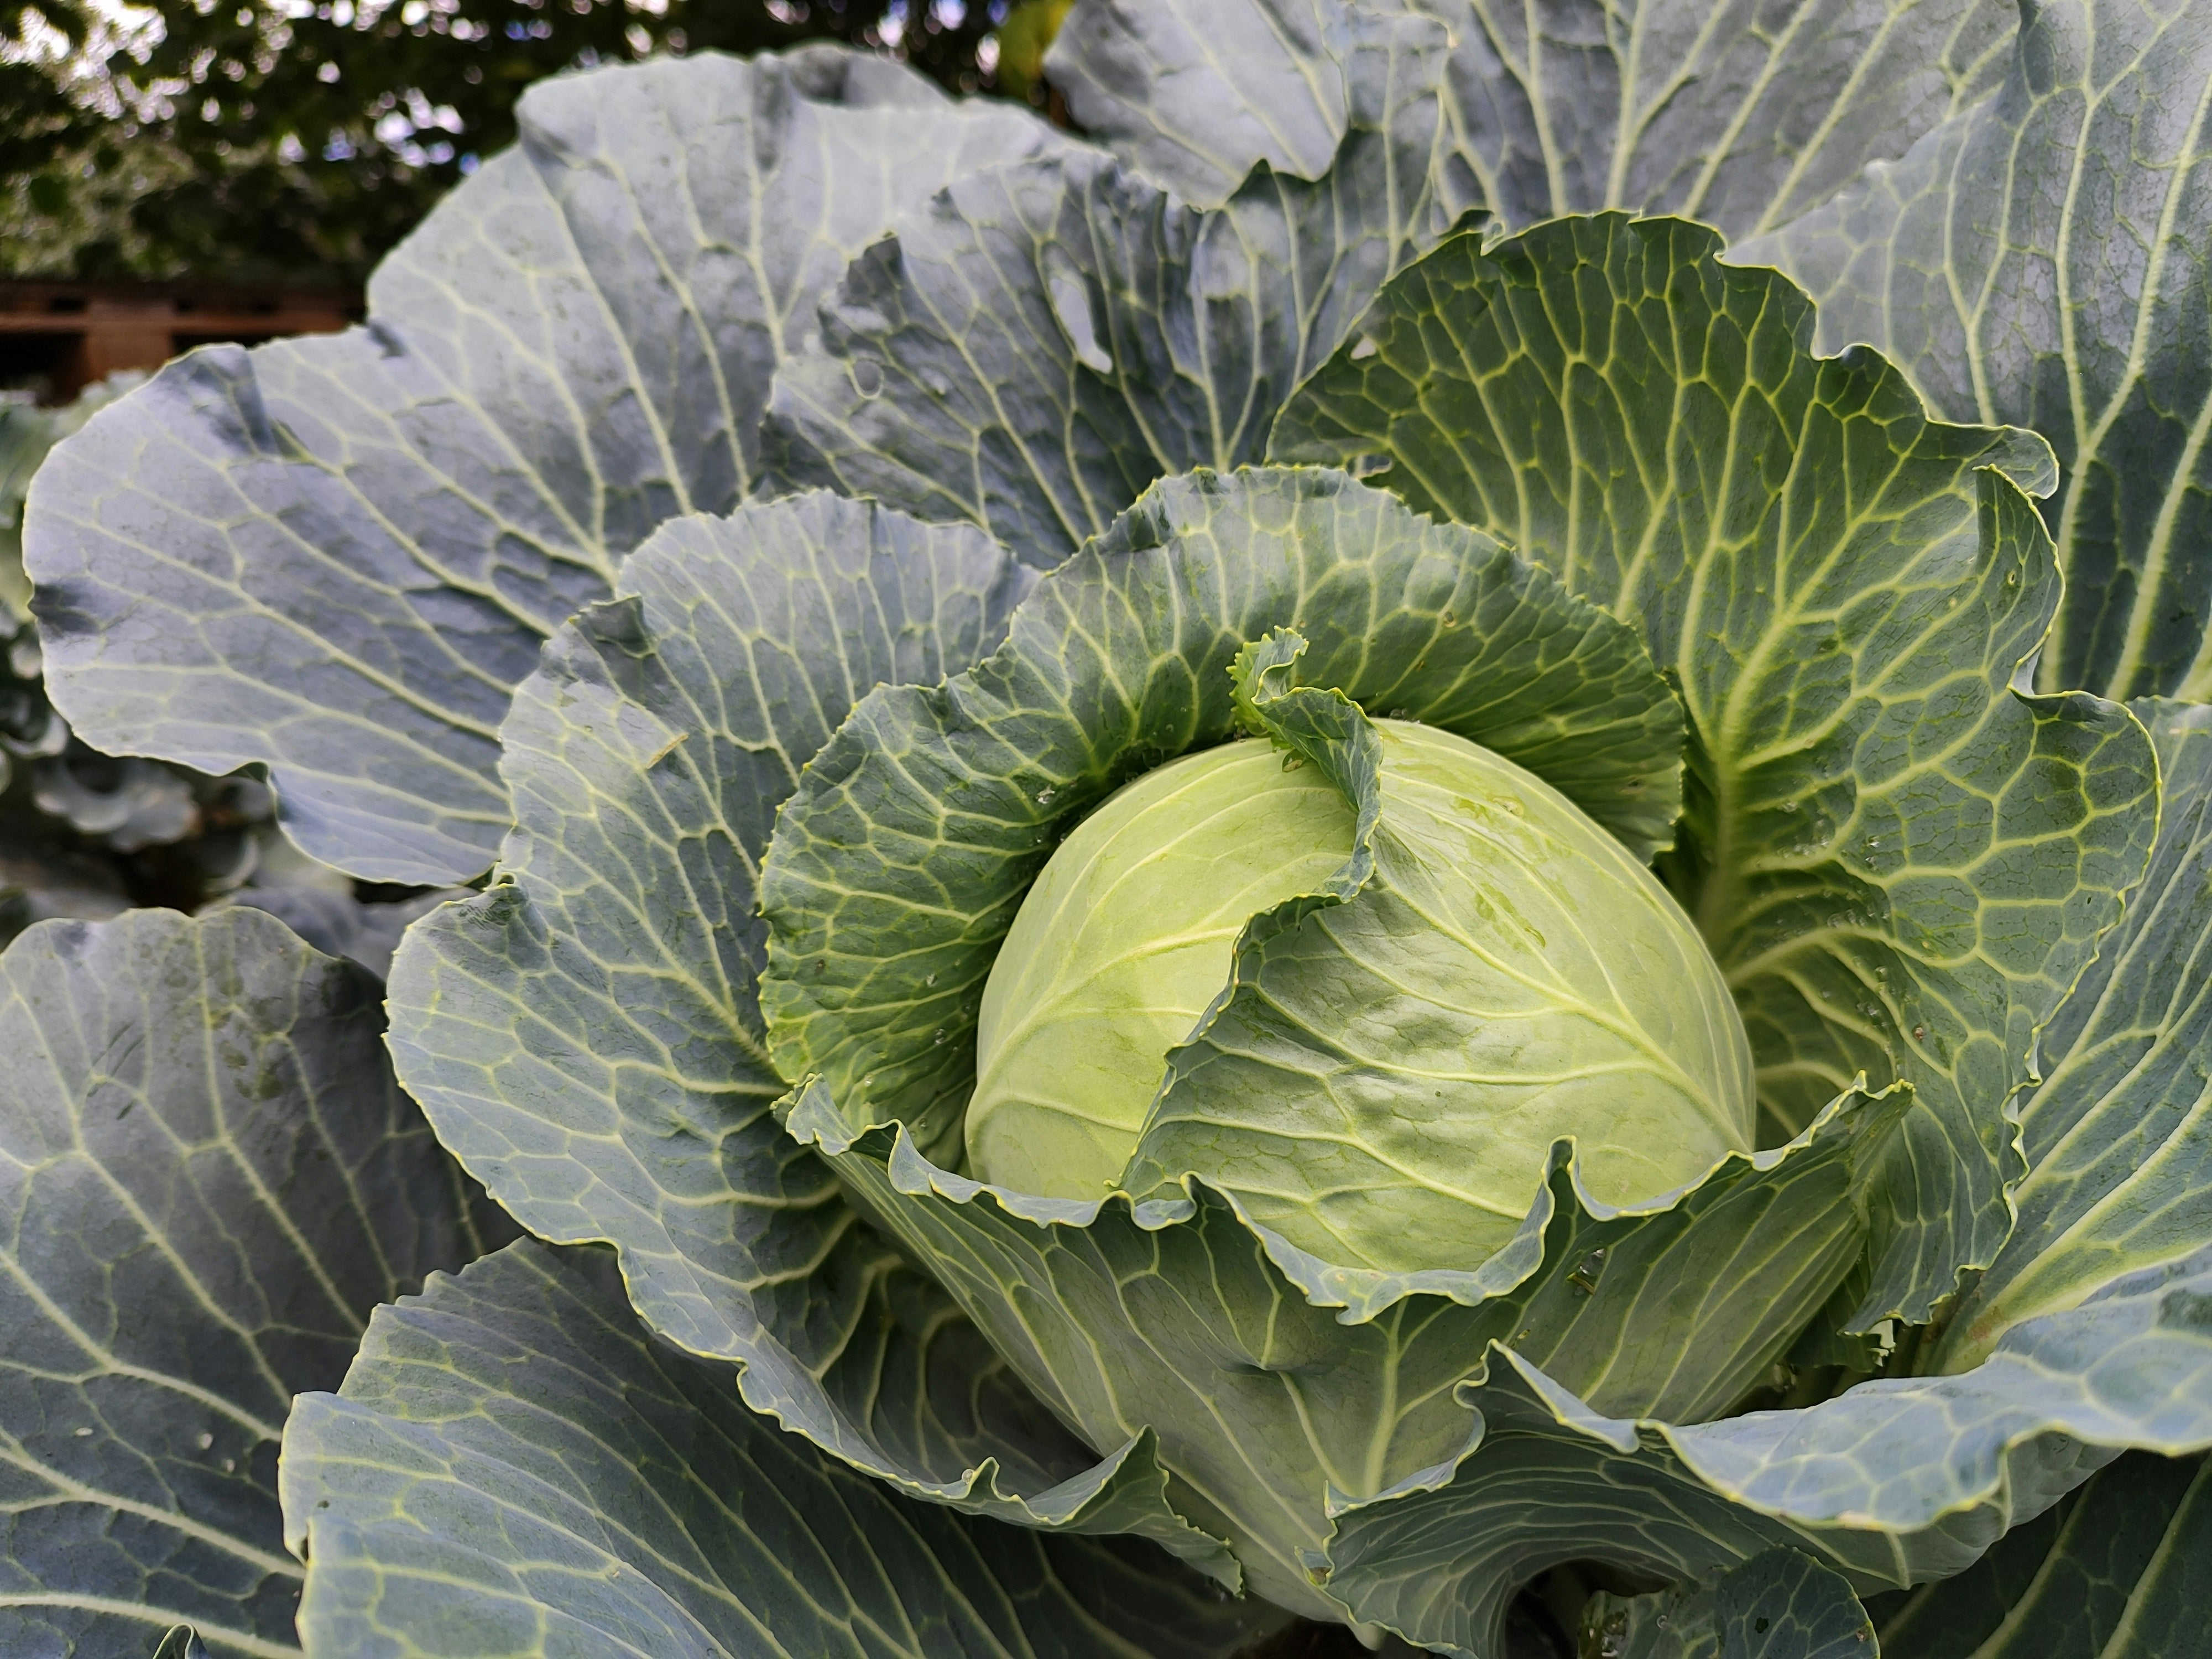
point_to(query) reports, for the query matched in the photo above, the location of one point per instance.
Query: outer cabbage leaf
(1897, 1481)
(2039, 258)
(1740, 113)
(208, 1178)
(2119, 1133)
(338, 557)
(2117, 1569)
(1277, 1381)
(1743, 114)
(1781, 1605)
(1198, 97)
(584, 1036)
(1902, 861)
(1040, 343)
(514, 1466)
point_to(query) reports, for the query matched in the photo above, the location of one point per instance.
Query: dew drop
(206, 1440)
(1365, 349)
(867, 378)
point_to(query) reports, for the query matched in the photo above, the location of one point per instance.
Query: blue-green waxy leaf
(2039, 258)
(2120, 1568)
(1280, 1385)
(898, 866)
(585, 1034)
(1781, 1605)
(1899, 1480)
(1901, 861)
(208, 1178)
(2119, 1133)
(1198, 95)
(1742, 114)
(338, 557)
(1040, 343)
(516, 1466)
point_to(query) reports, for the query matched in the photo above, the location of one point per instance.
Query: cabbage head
(1514, 976)
(1414, 850)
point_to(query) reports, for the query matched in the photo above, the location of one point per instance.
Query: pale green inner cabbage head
(1551, 987)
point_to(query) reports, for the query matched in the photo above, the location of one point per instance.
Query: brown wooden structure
(68, 335)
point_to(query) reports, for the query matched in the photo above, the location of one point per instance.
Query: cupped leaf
(338, 557)
(208, 1178)
(1273, 1379)
(514, 1465)
(1780, 1605)
(1040, 343)
(1895, 1482)
(2118, 1134)
(1901, 861)
(898, 866)
(584, 1036)
(2117, 1569)
(2038, 258)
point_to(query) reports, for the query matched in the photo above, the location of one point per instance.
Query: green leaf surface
(2120, 1568)
(584, 1036)
(1897, 1481)
(208, 1178)
(2118, 1134)
(1742, 114)
(2039, 258)
(514, 1465)
(1277, 1383)
(338, 557)
(1780, 1605)
(1040, 342)
(1902, 862)
(900, 863)
(1197, 96)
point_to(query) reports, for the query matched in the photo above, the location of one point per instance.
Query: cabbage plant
(1417, 841)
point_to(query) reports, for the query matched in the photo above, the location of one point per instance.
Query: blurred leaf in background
(296, 140)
